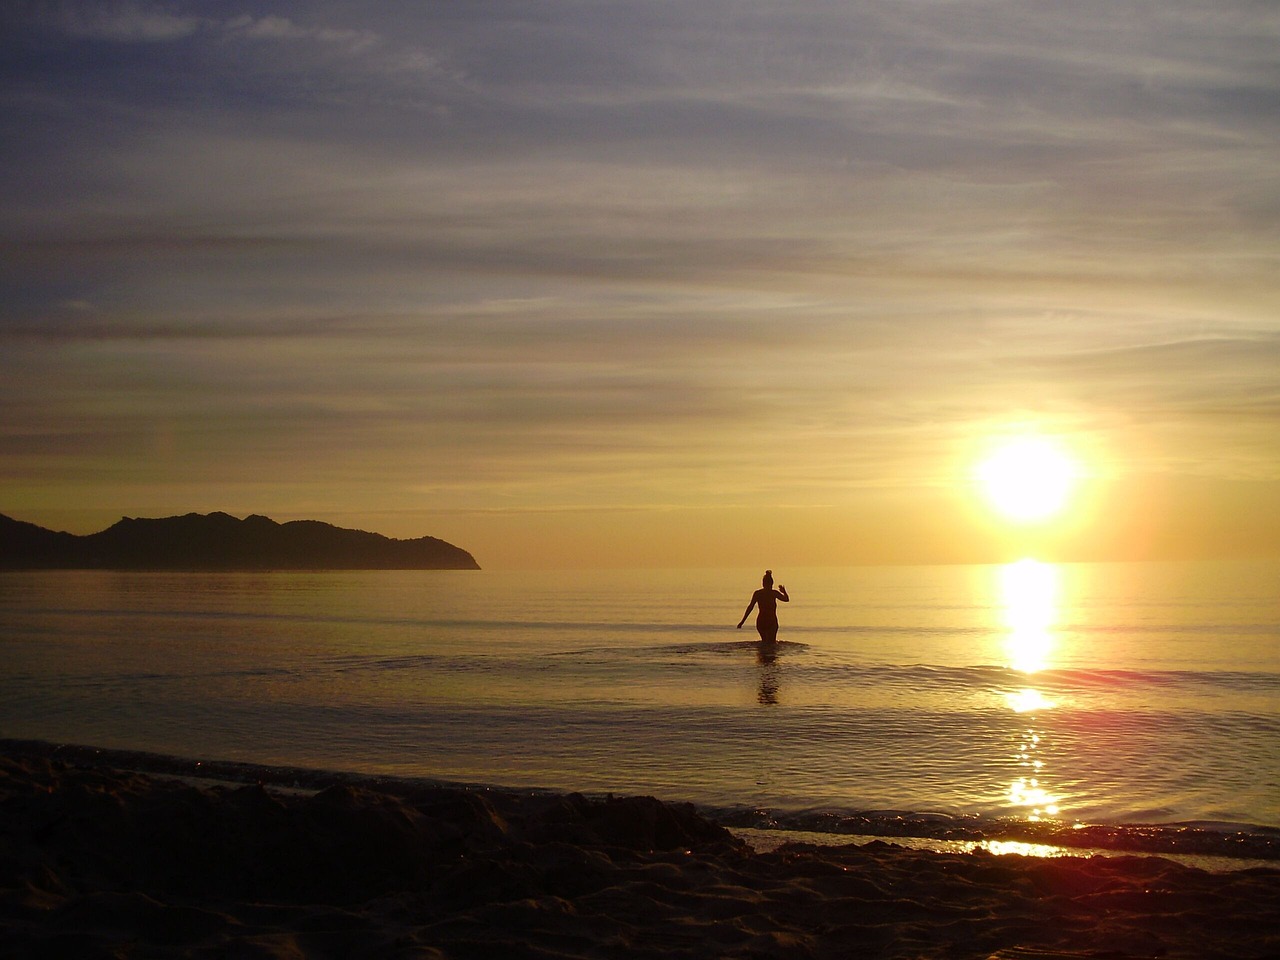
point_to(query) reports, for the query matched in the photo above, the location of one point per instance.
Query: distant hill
(218, 541)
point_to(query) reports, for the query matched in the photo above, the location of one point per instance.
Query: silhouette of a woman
(766, 598)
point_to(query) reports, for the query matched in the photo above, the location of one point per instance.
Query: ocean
(903, 700)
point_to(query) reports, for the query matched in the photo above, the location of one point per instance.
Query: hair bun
(768, 573)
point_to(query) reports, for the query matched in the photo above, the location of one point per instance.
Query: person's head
(767, 579)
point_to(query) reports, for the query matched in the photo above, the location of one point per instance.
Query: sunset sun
(1027, 479)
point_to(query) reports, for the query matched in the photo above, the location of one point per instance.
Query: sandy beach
(98, 861)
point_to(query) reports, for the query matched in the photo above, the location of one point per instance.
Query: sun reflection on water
(1029, 597)
(1028, 700)
(1026, 791)
(1029, 601)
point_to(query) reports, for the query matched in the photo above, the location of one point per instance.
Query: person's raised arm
(782, 594)
(750, 607)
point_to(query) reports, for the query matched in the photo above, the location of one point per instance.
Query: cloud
(128, 21)
(573, 254)
(119, 22)
(1207, 377)
(283, 29)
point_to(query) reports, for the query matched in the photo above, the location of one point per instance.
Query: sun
(1027, 479)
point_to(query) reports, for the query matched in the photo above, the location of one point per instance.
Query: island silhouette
(219, 541)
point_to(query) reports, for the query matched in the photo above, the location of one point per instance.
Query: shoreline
(1208, 846)
(104, 861)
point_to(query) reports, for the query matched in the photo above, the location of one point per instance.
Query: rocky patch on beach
(98, 862)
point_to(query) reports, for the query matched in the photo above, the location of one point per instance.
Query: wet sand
(97, 861)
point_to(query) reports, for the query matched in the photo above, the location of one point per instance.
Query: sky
(577, 283)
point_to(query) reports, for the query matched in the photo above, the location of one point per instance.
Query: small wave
(1234, 679)
(1062, 680)
(727, 647)
(427, 663)
(905, 630)
(120, 680)
(1229, 840)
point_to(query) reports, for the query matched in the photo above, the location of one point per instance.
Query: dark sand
(99, 862)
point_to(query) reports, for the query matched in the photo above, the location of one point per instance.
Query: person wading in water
(766, 598)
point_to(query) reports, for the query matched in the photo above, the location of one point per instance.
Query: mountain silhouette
(218, 541)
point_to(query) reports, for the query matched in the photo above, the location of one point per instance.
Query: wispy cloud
(129, 21)
(118, 22)
(282, 28)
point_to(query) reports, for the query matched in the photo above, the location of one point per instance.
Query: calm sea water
(1074, 693)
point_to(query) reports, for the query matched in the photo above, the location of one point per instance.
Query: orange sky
(645, 284)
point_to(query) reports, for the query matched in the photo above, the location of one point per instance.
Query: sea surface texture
(1072, 694)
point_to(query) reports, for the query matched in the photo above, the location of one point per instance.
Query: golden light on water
(1027, 478)
(1028, 701)
(1027, 792)
(1023, 849)
(1029, 595)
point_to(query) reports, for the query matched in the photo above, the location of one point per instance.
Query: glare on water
(1029, 596)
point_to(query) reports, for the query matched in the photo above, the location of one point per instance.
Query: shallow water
(763, 840)
(1116, 694)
